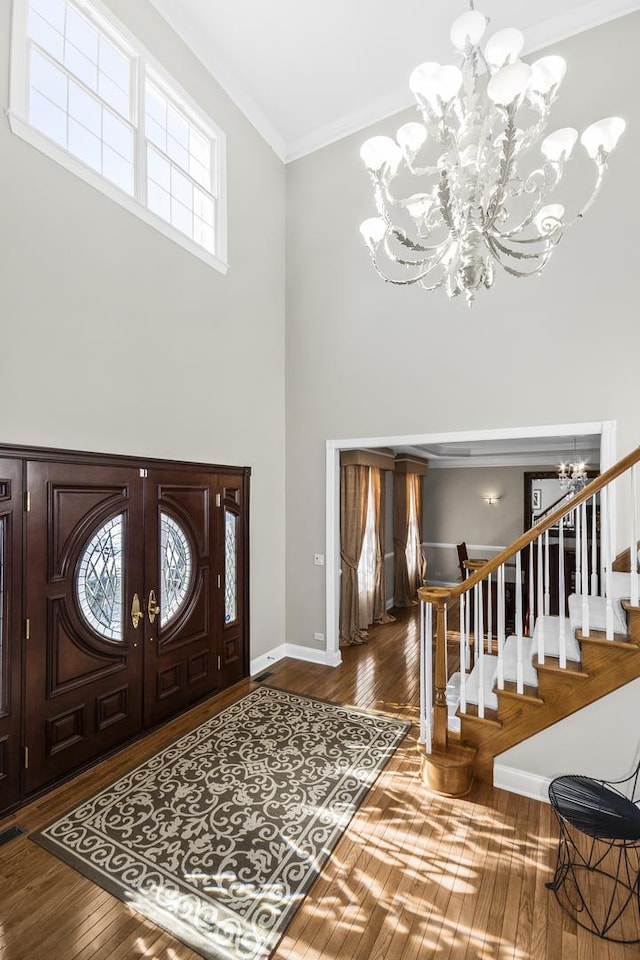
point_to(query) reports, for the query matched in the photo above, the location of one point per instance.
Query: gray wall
(365, 359)
(454, 511)
(116, 339)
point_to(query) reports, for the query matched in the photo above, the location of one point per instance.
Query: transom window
(86, 93)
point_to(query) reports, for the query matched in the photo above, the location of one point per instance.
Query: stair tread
(620, 640)
(530, 692)
(552, 665)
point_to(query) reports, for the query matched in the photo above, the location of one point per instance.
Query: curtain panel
(354, 488)
(409, 574)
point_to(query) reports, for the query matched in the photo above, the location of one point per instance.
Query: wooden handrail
(597, 484)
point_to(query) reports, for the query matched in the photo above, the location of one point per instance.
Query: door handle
(136, 611)
(153, 607)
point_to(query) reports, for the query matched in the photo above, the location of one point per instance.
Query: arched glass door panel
(231, 567)
(176, 567)
(99, 580)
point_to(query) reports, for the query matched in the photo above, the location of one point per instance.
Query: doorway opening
(527, 445)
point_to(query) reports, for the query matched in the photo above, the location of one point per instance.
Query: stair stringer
(606, 666)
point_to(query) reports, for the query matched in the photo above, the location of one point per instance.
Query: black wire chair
(599, 824)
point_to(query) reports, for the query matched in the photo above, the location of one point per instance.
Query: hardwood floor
(415, 876)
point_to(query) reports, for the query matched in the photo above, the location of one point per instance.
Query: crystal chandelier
(481, 197)
(573, 477)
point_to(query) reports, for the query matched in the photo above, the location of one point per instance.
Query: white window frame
(143, 62)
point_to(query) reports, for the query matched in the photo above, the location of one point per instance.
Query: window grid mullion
(140, 87)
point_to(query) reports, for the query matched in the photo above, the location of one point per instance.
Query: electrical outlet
(318, 559)
(318, 636)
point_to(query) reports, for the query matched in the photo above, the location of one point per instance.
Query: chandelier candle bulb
(559, 145)
(504, 47)
(468, 29)
(483, 199)
(603, 135)
(509, 84)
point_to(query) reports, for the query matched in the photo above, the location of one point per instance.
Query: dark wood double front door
(134, 604)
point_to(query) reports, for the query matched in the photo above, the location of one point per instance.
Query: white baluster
(532, 618)
(633, 550)
(520, 664)
(489, 616)
(540, 623)
(562, 600)
(464, 655)
(477, 642)
(501, 631)
(467, 621)
(426, 667)
(547, 595)
(584, 564)
(480, 643)
(594, 547)
(605, 525)
(578, 550)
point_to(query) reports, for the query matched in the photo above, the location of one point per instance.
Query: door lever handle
(136, 611)
(153, 607)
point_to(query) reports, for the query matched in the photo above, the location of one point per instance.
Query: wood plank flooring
(415, 876)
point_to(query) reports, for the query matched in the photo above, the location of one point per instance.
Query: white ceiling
(308, 74)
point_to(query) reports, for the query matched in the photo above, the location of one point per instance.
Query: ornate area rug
(218, 837)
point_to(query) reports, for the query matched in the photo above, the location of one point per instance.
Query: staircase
(523, 669)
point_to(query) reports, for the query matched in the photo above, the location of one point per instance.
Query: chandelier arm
(509, 152)
(406, 241)
(543, 257)
(601, 167)
(400, 283)
(543, 191)
(549, 245)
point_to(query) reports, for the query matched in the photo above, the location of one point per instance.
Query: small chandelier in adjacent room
(484, 198)
(573, 477)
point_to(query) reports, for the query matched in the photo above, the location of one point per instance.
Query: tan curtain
(421, 570)
(354, 485)
(406, 583)
(378, 482)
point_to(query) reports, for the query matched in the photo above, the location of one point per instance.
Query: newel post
(438, 596)
(448, 768)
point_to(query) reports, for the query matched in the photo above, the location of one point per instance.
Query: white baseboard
(297, 652)
(519, 781)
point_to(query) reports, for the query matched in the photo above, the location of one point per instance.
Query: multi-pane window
(94, 94)
(180, 169)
